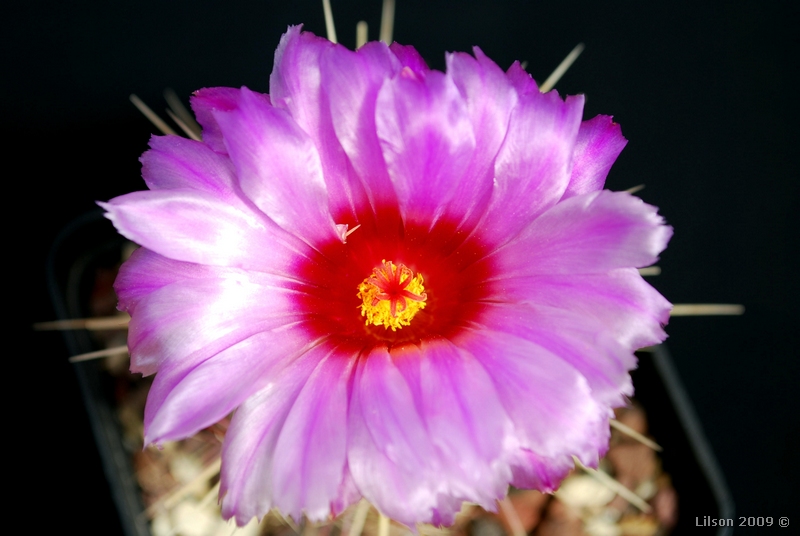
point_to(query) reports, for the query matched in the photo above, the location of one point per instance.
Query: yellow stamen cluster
(391, 296)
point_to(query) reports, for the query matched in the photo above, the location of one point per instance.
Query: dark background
(705, 92)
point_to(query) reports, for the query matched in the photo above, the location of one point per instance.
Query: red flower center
(332, 299)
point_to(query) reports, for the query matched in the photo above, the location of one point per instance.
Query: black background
(705, 92)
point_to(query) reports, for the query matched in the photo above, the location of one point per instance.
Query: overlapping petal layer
(245, 293)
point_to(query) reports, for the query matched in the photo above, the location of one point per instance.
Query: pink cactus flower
(409, 285)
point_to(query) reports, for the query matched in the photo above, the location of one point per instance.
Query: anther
(392, 295)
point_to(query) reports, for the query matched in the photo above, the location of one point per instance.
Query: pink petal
(295, 86)
(310, 454)
(195, 226)
(176, 162)
(295, 80)
(347, 494)
(146, 271)
(186, 397)
(427, 143)
(191, 320)
(489, 100)
(627, 307)
(549, 402)
(278, 167)
(352, 81)
(591, 233)
(246, 483)
(598, 145)
(531, 471)
(580, 341)
(464, 418)
(533, 165)
(207, 101)
(409, 57)
(522, 81)
(387, 437)
(446, 509)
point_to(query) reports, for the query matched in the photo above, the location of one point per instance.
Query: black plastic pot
(687, 456)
